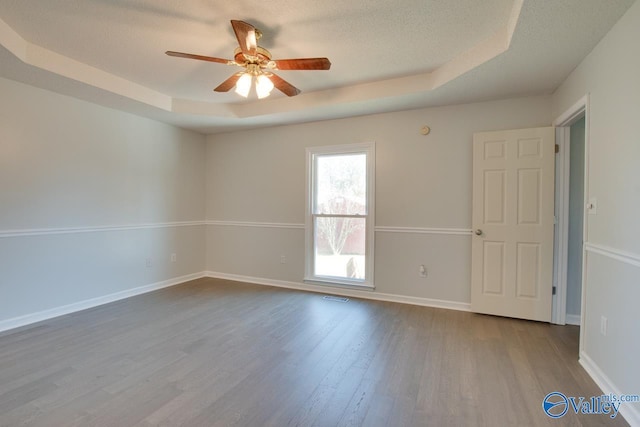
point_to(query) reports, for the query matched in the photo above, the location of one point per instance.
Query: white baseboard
(630, 411)
(28, 319)
(572, 319)
(427, 302)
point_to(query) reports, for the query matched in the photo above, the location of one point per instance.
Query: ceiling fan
(257, 63)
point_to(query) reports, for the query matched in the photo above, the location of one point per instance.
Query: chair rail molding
(617, 254)
(96, 229)
(380, 228)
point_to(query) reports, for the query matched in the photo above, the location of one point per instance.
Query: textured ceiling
(385, 55)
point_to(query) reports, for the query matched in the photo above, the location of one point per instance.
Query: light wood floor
(218, 353)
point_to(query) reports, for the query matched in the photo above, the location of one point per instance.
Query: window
(339, 215)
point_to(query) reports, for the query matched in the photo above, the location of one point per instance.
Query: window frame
(313, 153)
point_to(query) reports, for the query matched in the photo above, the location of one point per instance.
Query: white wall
(422, 182)
(612, 284)
(67, 168)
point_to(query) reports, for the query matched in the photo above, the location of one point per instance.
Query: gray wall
(422, 182)
(87, 194)
(609, 76)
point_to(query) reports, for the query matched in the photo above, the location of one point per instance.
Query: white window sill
(361, 286)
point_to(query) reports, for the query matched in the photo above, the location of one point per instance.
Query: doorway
(576, 210)
(571, 210)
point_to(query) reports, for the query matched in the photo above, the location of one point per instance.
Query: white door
(513, 223)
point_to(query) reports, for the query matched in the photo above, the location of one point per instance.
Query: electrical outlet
(173, 258)
(283, 259)
(603, 325)
(149, 263)
(422, 271)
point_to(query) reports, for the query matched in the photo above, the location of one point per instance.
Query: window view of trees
(334, 231)
(341, 192)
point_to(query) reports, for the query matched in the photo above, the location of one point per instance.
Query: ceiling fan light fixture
(264, 86)
(257, 63)
(243, 86)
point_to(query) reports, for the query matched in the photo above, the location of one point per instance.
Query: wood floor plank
(212, 352)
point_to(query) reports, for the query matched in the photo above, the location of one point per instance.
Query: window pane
(341, 184)
(340, 247)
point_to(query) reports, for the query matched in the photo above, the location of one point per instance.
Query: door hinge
(553, 290)
(557, 148)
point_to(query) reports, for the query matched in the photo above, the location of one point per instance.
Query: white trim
(572, 319)
(561, 235)
(28, 319)
(378, 229)
(355, 148)
(256, 224)
(585, 216)
(422, 230)
(339, 283)
(377, 296)
(73, 230)
(622, 256)
(630, 412)
(573, 113)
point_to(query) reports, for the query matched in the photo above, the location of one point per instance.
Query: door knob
(478, 232)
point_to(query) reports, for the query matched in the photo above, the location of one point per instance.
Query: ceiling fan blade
(246, 35)
(200, 57)
(303, 64)
(282, 85)
(226, 85)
